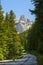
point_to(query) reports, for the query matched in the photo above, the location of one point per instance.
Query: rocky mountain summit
(23, 24)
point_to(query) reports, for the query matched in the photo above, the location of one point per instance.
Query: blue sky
(20, 7)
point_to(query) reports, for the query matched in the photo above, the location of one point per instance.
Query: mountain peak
(23, 18)
(23, 24)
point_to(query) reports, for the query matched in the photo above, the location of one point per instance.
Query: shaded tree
(36, 34)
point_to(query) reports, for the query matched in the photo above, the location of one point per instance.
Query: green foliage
(10, 44)
(1, 54)
(35, 33)
(35, 36)
(23, 37)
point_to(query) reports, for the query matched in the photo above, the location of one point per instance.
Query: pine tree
(37, 33)
(1, 33)
(10, 44)
(5, 36)
(14, 41)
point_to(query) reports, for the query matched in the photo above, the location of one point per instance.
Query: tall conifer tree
(1, 32)
(14, 40)
(36, 36)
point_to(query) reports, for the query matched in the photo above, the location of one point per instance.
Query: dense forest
(12, 44)
(34, 36)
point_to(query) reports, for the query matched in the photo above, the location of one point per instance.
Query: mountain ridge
(23, 24)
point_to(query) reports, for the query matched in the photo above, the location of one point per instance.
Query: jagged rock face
(23, 24)
(23, 18)
(19, 28)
